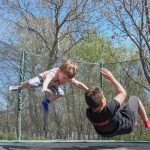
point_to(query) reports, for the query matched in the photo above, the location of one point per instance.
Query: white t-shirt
(53, 74)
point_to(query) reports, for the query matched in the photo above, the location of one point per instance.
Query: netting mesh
(67, 117)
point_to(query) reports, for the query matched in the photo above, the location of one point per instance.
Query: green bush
(8, 136)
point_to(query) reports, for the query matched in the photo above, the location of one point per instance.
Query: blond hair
(69, 68)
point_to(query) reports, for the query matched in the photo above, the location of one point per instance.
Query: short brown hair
(93, 96)
(69, 68)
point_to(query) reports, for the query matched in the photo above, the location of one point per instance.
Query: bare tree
(50, 21)
(130, 19)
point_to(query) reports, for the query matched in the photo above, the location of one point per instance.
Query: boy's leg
(57, 93)
(35, 82)
(136, 105)
(24, 85)
(143, 115)
(133, 103)
(45, 104)
(142, 111)
(20, 87)
(47, 100)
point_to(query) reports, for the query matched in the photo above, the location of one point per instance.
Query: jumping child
(51, 81)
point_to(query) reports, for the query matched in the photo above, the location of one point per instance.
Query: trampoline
(75, 145)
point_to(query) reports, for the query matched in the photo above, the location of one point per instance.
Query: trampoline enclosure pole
(21, 78)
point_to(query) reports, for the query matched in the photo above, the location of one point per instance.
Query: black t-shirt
(112, 120)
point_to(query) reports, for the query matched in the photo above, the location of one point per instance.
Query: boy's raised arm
(120, 90)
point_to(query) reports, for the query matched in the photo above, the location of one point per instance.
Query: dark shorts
(133, 104)
(130, 113)
(57, 90)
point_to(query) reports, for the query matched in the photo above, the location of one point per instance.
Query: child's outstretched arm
(79, 84)
(46, 83)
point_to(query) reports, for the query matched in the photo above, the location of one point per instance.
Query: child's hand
(106, 73)
(47, 90)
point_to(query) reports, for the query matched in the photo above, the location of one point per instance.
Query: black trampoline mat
(75, 145)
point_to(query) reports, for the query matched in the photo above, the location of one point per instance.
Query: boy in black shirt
(113, 118)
